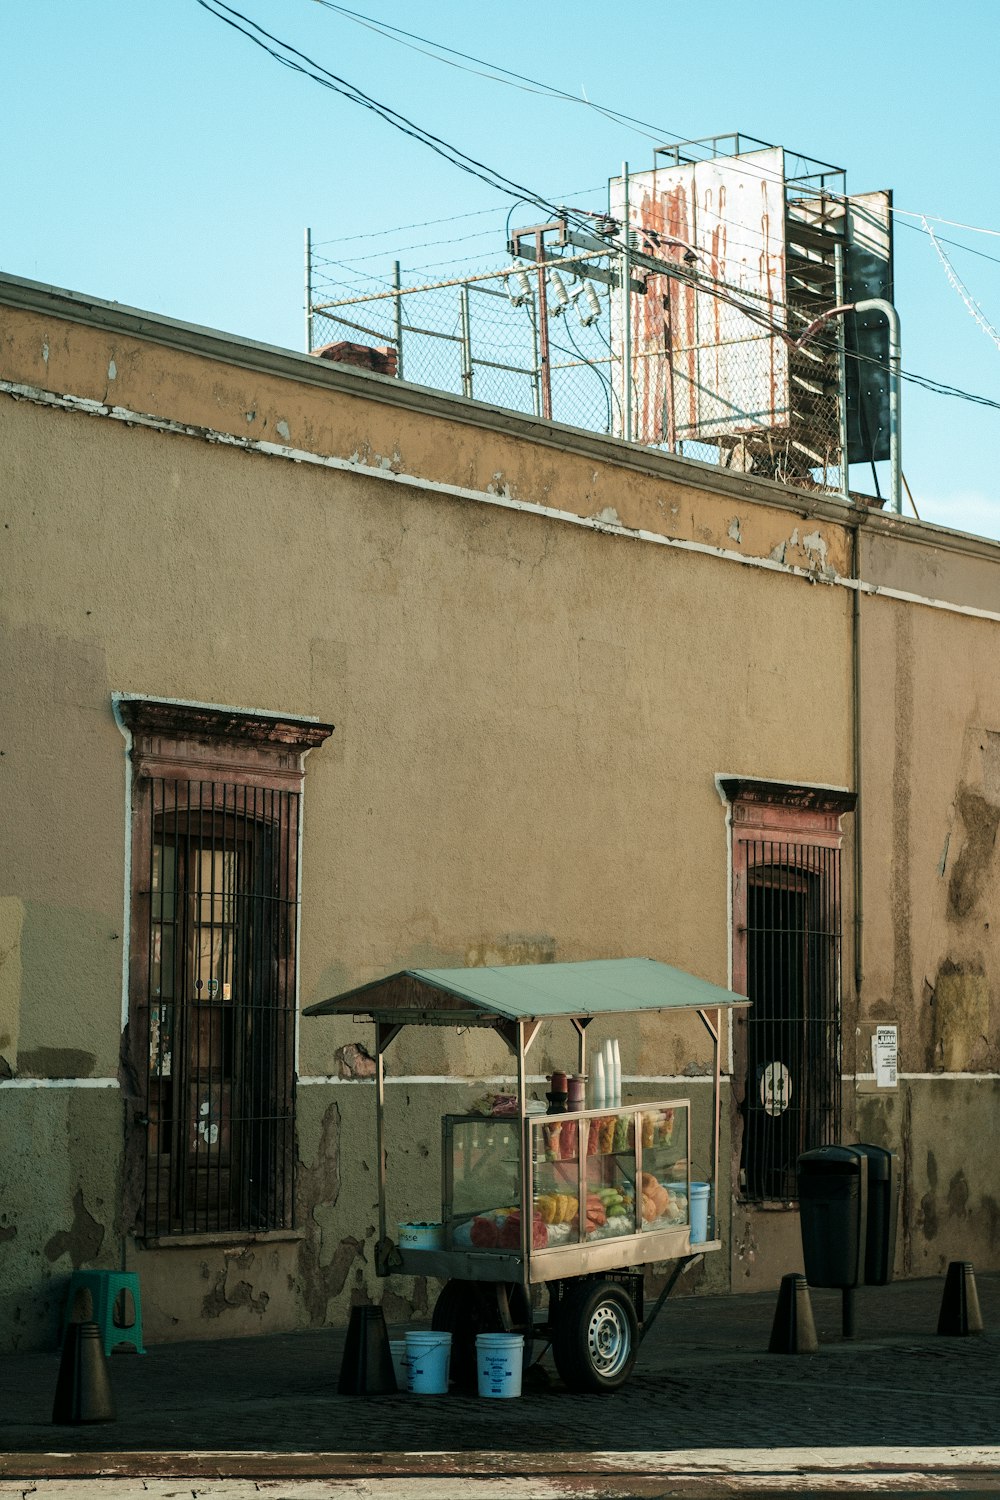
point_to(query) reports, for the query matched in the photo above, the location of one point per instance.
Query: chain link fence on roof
(689, 365)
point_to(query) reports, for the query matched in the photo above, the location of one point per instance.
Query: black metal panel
(792, 1100)
(868, 273)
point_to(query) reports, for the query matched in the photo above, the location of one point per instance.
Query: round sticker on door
(775, 1088)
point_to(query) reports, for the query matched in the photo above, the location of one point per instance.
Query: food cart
(577, 1200)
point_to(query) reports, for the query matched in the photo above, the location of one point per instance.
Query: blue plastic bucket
(499, 1358)
(699, 1212)
(428, 1355)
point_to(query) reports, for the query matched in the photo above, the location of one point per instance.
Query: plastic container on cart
(499, 1360)
(428, 1355)
(421, 1236)
(699, 1212)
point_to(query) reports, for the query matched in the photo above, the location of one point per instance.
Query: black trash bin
(883, 1204)
(833, 1212)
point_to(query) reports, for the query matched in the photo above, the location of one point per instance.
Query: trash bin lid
(844, 1161)
(880, 1161)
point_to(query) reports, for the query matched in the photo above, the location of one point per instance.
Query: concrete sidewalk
(704, 1398)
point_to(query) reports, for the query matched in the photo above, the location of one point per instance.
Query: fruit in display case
(560, 1140)
(484, 1232)
(510, 1232)
(556, 1208)
(596, 1214)
(655, 1198)
(617, 1203)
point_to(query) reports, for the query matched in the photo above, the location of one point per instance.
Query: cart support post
(380, 1135)
(525, 1036)
(581, 1023)
(680, 1267)
(714, 1030)
(384, 1033)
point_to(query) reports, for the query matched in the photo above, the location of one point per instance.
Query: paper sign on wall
(884, 1057)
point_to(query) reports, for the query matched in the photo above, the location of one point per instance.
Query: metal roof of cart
(522, 992)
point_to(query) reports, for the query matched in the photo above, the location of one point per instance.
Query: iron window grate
(219, 1003)
(793, 959)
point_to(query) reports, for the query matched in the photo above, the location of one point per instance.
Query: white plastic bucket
(499, 1358)
(428, 1355)
(699, 1212)
(400, 1363)
(421, 1236)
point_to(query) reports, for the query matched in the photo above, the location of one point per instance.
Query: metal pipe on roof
(882, 305)
(888, 311)
(309, 295)
(627, 314)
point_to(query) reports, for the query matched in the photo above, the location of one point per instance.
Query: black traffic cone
(793, 1330)
(366, 1368)
(960, 1304)
(83, 1389)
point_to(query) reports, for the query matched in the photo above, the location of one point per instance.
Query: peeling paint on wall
(980, 819)
(82, 1241)
(318, 1184)
(961, 1015)
(354, 1061)
(513, 949)
(745, 1248)
(815, 548)
(231, 1295)
(57, 1062)
(902, 787)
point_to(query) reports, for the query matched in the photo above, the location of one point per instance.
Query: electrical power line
(318, 74)
(492, 71)
(498, 74)
(315, 71)
(953, 223)
(943, 239)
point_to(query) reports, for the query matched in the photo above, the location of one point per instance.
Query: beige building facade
(311, 675)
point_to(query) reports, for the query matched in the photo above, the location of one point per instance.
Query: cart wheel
(467, 1308)
(596, 1337)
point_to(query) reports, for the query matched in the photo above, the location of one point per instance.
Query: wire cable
(309, 68)
(953, 223)
(499, 74)
(972, 306)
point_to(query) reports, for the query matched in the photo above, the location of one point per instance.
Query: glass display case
(628, 1168)
(481, 1179)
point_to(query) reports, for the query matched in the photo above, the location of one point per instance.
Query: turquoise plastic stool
(105, 1288)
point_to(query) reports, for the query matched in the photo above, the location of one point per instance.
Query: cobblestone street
(704, 1383)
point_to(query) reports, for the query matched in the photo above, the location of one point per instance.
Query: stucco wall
(529, 719)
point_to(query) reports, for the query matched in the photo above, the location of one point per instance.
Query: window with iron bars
(787, 955)
(213, 964)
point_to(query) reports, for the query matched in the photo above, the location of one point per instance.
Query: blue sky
(157, 158)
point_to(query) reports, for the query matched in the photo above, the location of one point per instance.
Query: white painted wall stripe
(674, 1080)
(670, 1080)
(59, 1083)
(667, 1080)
